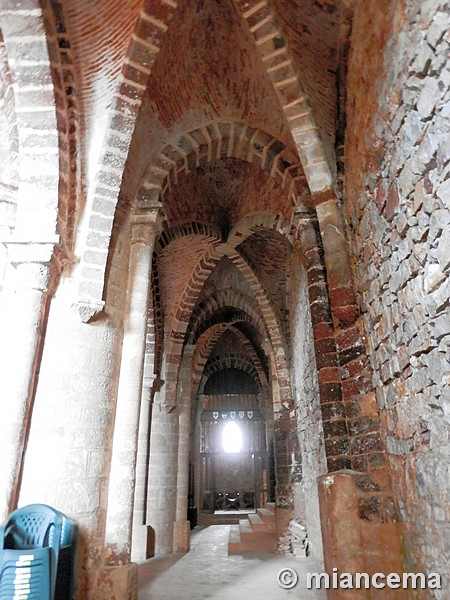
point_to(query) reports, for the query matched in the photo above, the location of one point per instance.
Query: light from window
(232, 437)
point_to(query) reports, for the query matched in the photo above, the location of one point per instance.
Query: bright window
(232, 437)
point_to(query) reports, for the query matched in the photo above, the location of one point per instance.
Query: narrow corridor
(207, 572)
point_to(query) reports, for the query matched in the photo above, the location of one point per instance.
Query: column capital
(28, 251)
(306, 228)
(36, 263)
(143, 227)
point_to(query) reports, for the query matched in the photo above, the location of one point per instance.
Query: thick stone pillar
(142, 535)
(125, 439)
(198, 484)
(182, 525)
(25, 303)
(360, 532)
(162, 488)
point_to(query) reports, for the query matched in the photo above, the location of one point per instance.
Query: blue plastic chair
(37, 555)
(67, 565)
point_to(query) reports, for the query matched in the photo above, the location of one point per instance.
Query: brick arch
(67, 115)
(231, 318)
(251, 352)
(263, 377)
(167, 236)
(206, 343)
(35, 95)
(251, 223)
(144, 47)
(216, 301)
(229, 361)
(203, 349)
(279, 65)
(222, 139)
(263, 299)
(219, 299)
(204, 268)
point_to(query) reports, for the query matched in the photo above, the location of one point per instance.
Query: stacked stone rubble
(294, 540)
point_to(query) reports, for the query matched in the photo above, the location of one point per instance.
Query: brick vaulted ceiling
(207, 69)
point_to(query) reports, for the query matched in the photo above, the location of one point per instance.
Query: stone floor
(207, 572)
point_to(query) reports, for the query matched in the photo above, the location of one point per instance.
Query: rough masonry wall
(307, 402)
(398, 207)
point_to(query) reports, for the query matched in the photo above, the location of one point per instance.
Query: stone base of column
(116, 583)
(181, 536)
(359, 532)
(143, 542)
(103, 574)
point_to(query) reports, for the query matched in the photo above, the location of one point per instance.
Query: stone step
(215, 519)
(270, 506)
(235, 535)
(266, 515)
(260, 546)
(245, 526)
(251, 535)
(256, 535)
(257, 523)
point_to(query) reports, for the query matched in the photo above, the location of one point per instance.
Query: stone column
(196, 454)
(125, 439)
(359, 534)
(182, 525)
(142, 535)
(162, 487)
(25, 303)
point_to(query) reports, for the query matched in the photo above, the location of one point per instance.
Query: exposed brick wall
(397, 202)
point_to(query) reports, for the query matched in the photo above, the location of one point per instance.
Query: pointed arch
(143, 49)
(222, 139)
(260, 220)
(273, 47)
(176, 339)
